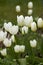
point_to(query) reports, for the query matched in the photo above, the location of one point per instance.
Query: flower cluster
(12, 29)
(8, 32)
(28, 22)
(19, 48)
(7, 35)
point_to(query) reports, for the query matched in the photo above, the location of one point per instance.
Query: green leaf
(22, 61)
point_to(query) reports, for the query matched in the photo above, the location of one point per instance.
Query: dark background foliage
(7, 9)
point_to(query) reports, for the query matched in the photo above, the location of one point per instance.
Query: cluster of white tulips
(28, 22)
(19, 48)
(4, 36)
(24, 24)
(7, 36)
(12, 29)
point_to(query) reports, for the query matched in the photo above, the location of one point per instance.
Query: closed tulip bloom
(33, 43)
(22, 48)
(7, 42)
(28, 20)
(13, 38)
(17, 48)
(20, 20)
(7, 26)
(14, 30)
(30, 5)
(30, 11)
(33, 26)
(3, 52)
(17, 8)
(40, 23)
(24, 30)
(2, 35)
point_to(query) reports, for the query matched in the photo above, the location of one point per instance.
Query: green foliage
(32, 56)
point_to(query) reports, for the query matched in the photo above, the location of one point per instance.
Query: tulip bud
(40, 23)
(13, 38)
(3, 52)
(17, 48)
(33, 43)
(24, 30)
(33, 26)
(28, 20)
(30, 5)
(17, 8)
(7, 42)
(22, 48)
(30, 11)
(20, 20)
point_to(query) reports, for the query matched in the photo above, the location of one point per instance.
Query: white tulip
(22, 48)
(2, 35)
(24, 30)
(33, 43)
(33, 26)
(40, 23)
(7, 26)
(17, 48)
(30, 5)
(13, 38)
(30, 11)
(28, 20)
(3, 52)
(17, 8)
(7, 42)
(14, 30)
(20, 20)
